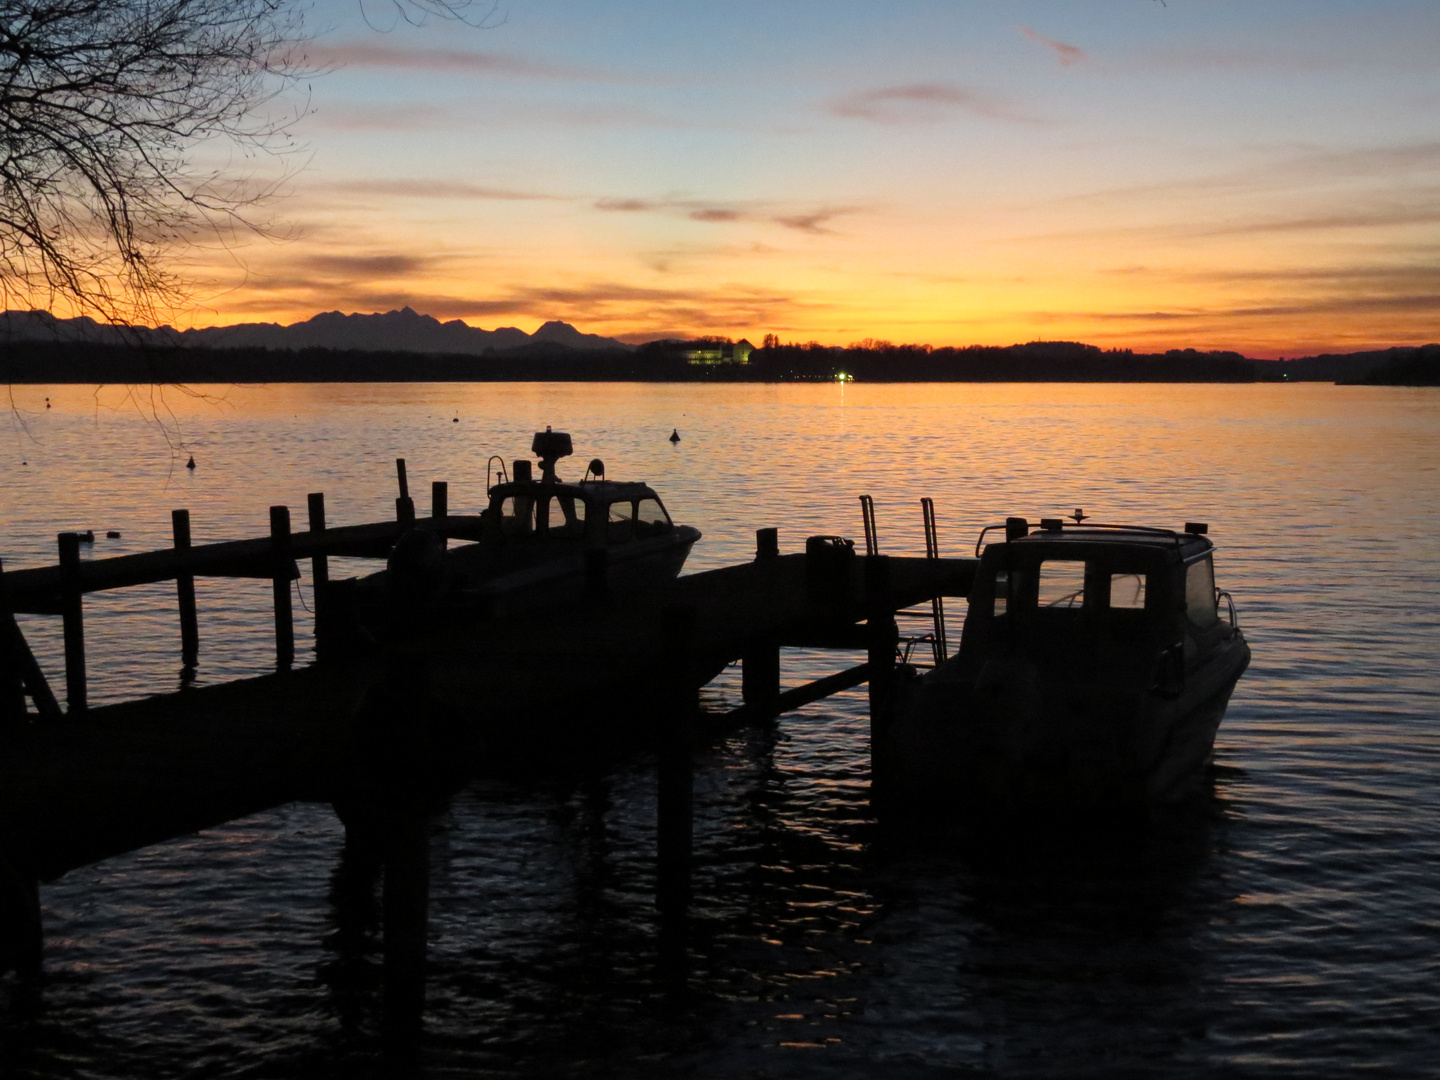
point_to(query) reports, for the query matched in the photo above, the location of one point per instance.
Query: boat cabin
(602, 513)
(1076, 596)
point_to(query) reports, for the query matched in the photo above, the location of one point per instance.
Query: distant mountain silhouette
(405, 330)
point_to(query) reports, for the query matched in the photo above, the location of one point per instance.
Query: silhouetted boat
(1094, 671)
(542, 542)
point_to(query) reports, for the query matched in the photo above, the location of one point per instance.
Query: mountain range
(405, 330)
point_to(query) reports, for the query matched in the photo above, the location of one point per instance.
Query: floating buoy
(112, 534)
(674, 434)
(47, 402)
(456, 420)
(191, 463)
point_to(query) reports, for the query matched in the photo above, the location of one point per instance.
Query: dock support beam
(20, 674)
(319, 574)
(676, 769)
(405, 902)
(73, 610)
(22, 937)
(185, 594)
(284, 613)
(882, 635)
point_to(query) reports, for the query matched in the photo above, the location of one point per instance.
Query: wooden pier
(93, 782)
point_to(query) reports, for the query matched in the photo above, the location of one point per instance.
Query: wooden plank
(789, 700)
(37, 590)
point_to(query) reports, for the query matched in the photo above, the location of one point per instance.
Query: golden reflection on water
(1297, 938)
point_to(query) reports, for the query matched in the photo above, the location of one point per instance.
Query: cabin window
(1127, 591)
(517, 515)
(1062, 583)
(621, 524)
(1200, 593)
(566, 516)
(650, 518)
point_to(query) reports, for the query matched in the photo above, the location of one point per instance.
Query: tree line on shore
(671, 361)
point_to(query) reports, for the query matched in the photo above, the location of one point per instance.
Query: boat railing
(502, 477)
(1056, 525)
(1221, 594)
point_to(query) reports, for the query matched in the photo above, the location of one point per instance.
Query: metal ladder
(937, 638)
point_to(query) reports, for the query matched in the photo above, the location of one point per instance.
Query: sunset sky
(1250, 174)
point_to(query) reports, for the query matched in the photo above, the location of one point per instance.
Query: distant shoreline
(42, 362)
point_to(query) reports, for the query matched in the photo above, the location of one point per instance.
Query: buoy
(112, 534)
(47, 402)
(674, 435)
(456, 420)
(191, 463)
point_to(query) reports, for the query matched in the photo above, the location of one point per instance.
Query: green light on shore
(842, 377)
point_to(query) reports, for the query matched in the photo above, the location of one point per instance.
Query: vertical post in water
(185, 594)
(319, 570)
(72, 609)
(284, 615)
(404, 505)
(12, 682)
(439, 501)
(675, 783)
(406, 909)
(882, 635)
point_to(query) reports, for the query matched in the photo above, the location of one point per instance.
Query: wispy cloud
(924, 103)
(813, 220)
(458, 62)
(440, 189)
(1066, 54)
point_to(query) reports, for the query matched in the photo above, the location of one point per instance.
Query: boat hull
(1005, 741)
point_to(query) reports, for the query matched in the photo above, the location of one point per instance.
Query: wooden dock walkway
(92, 783)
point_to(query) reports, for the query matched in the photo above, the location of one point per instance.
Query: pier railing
(59, 589)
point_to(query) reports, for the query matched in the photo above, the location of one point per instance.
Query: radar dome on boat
(551, 445)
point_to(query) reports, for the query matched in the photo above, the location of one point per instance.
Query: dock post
(12, 682)
(400, 476)
(319, 570)
(18, 663)
(405, 903)
(22, 936)
(767, 544)
(676, 779)
(675, 794)
(439, 500)
(284, 615)
(404, 505)
(73, 610)
(185, 594)
(760, 675)
(882, 635)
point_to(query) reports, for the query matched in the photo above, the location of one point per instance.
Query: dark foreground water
(1292, 930)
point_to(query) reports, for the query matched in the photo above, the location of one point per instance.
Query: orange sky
(1262, 177)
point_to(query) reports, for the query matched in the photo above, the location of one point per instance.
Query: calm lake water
(1294, 933)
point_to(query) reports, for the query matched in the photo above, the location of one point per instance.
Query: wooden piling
(400, 476)
(881, 634)
(767, 544)
(405, 904)
(72, 610)
(675, 781)
(185, 594)
(12, 683)
(319, 573)
(21, 933)
(760, 675)
(439, 500)
(20, 674)
(280, 584)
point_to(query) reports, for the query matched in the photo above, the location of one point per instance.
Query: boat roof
(595, 491)
(1088, 540)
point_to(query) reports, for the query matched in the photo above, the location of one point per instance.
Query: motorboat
(542, 542)
(1094, 670)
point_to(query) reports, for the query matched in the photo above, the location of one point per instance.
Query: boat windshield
(1200, 593)
(1062, 583)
